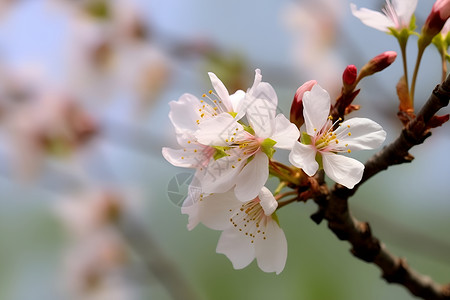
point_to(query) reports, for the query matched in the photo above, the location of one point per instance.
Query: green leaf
(267, 147)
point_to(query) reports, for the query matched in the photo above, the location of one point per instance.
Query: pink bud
(349, 75)
(296, 115)
(440, 12)
(378, 63)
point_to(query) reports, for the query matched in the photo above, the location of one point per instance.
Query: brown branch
(333, 206)
(367, 247)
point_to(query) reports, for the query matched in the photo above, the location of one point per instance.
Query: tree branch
(333, 206)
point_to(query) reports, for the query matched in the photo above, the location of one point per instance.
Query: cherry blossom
(396, 15)
(321, 142)
(249, 230)
(188, 113)
(247, 148)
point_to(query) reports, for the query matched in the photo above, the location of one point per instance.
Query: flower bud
(440, 12)
(349, 75)
(378, 63)
(296, 115)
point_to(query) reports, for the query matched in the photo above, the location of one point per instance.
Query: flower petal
(365, 134)
(261, 116)
(262, 90)
(216, 209)
(218, 131)
(372, 18)
(221, 174)
(185, 158)
(184, 113)
(405, 10)
(271, 253)
(221, 91)
(304, 157)
(237, 247)
(286, 133)
(267, 201)
(236, 101)
(316, 109)
(260, 105)
(343, 170)
(252, 177)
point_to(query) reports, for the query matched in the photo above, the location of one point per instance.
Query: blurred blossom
(114, 55)
(315, 27)
(88, 212)
(51, 123)
(97, 261)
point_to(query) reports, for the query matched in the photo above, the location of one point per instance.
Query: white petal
(260, 105)
(316, 109)
(237, 247)
(405, 9)
(252, 177)
(218, 131)
(221, 91)
(182, 158)
(271, 253)
(261, 116)
(372, 18)
(183, 114)
(267, 201)
(286, 133)
(365, 134)
(216, 209)
(220, 175)
(343, 170)
(192, 212)
(304, 157)
(237, 99)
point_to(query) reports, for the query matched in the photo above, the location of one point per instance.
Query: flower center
(328, 140)
(250, 219)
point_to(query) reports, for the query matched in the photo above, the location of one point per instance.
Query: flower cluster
(230, 141)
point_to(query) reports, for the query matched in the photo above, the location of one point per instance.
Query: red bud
(349, 75)
(440, 12)
(378, 63)
(296, 115)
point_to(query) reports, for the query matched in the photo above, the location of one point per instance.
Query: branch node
(446, 290)
(367, 252)
(398, 273)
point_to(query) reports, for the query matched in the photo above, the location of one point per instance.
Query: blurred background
(84, 92)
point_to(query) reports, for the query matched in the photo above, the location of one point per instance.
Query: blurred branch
(149, 251)
(333, 205)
